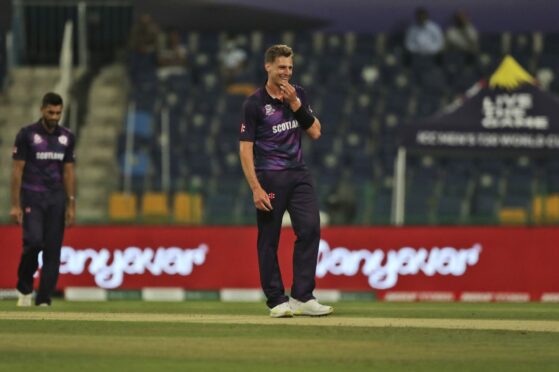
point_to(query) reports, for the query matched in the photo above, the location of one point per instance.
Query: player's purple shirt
(44, 154)
(271, 125)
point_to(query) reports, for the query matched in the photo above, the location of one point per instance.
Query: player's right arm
(247, 137)
(21, 149)
(259, 195)
(17, 173)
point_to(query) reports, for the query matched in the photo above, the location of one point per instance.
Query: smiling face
(280, 70)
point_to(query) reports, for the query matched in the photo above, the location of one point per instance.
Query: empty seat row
(186, 208)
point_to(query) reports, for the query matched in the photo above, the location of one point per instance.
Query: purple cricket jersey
(271, 125)
(44, 154)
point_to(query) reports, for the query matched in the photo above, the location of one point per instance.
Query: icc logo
(63, 140)
(269, 110)
(37, 139)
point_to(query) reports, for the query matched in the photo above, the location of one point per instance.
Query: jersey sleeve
(69, 156)
(249, 120)
(21, 146)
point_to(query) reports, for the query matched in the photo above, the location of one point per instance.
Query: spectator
(462, 35)
(144, 42)
(424, 37)
(172, 56)
(233, 61)
(144, 36)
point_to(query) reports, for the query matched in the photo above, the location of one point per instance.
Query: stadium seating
(363, 89)
(155, 205)
(546, 209)
(512, 216)
(187, 208)
(123, 207)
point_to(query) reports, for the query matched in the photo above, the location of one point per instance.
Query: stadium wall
(403, 264)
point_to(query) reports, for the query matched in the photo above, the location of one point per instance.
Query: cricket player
(43, 197)
(274, 118)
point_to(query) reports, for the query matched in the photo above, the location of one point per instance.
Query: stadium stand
(123, 207)
(97, 141)
(184, 130)
(27, 86)
(366, 92)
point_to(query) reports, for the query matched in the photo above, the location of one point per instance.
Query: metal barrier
(102, 29)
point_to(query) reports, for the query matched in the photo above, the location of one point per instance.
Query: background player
(43, 197)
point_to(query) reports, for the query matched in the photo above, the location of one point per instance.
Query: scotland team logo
(63, 140)
(269, 110)
(37, 139)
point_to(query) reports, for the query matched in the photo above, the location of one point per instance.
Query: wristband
(304, 118)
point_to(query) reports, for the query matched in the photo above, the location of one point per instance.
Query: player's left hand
(70, 216)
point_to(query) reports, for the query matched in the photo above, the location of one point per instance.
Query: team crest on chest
(63, 140)
(37, 139)
(269, 110)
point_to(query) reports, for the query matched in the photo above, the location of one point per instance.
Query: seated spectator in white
(462, 35)
(233, 60)
(424, 36)
(172, 56)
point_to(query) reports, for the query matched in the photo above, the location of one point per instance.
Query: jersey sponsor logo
(243, 128)
(37, 139)
(269, 109)
(50, 155)
(63, 140)
(292, 124)
(272, 196)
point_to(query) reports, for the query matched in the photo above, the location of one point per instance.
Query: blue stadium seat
(551, 43)
(382, 205)
(427, 105)
(449, 209)
(484, 208)
(365, 44)
(219, 209)
(143, 124)
(360, 122)
(491, 43)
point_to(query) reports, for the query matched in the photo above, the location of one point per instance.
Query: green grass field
(216, 336)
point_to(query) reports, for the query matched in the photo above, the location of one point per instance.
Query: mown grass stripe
(464, 324)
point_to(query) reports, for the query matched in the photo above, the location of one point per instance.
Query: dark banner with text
(410, 263)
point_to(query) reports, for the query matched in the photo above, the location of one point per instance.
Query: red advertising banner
(446, 263)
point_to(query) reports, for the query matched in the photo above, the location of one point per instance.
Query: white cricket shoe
(24, 300)
(281, 311)
(310, 308)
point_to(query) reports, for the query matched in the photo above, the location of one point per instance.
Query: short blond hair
(275, 51)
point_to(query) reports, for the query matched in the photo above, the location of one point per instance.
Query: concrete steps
(97, 169)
